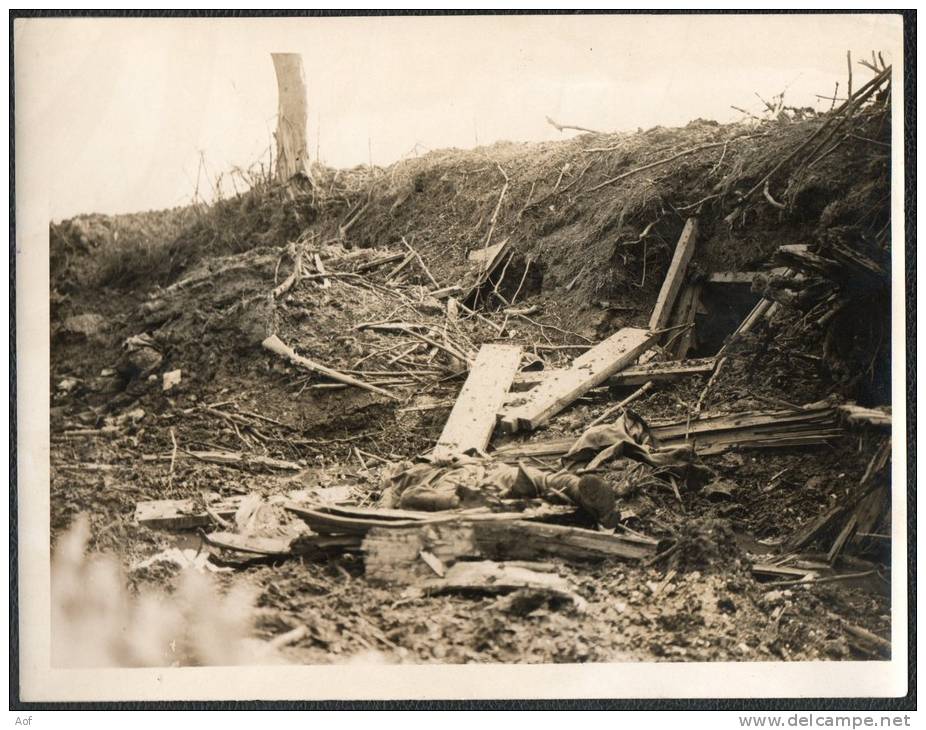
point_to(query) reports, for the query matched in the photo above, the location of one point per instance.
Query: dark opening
(723, 309)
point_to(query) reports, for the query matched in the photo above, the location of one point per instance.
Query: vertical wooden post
(684, 250)
(292, 117)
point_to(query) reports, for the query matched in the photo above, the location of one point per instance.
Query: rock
(88, 326)
(66, 385)
(719, 490)
(776, 597)
(143, 360)
(170, 380)
(837, 648)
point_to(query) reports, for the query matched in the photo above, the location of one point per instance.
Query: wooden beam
(180, 514)
(634, 375)
(683, 340)
(672, 284)
(588, 370)
(485, 257)
(732, 277)
(473, 416)
(854, 414)
(715, 434)
(330, 520)
(393, 553)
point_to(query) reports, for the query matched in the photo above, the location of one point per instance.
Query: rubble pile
(550, 427)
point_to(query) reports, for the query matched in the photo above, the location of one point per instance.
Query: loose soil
(590, 258)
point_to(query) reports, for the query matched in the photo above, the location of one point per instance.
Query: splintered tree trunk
(292, 158)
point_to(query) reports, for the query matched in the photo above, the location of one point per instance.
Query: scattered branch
(561, 127)
(667, 160)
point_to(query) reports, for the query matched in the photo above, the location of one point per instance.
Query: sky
(122, 111)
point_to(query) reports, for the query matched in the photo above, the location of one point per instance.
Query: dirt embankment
(592, 223)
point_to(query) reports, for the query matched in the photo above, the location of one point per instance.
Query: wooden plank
(732, 277)
(714, 434)
(489, 577)
(394, 553)
(523, 540)
(587, 371)
(339, 521)
(872, 416)
(634, 375)
(256, 544)
(180, 514)
(487, 260)
(473, 416)
(683, 340)
(746, 419)
(485, 256)
(782, 571)
(672, 284)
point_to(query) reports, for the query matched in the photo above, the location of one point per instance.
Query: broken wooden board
(227, 458)
(732, 277)
(280, 546)
(706, 446)
(523, 540)
(633, 375)
(680, 341)
(394, 552)
(715, 434)
(340, 520)
(487, 260)
(472, 419)
(854, 414)
(782, 571)
(271, 546)
(590, 369)
(490, 577)
(675, 277)
(485, 257)
(394, 555)
(181, 514)
(780, 421)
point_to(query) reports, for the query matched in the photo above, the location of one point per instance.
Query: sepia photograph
(377, 346)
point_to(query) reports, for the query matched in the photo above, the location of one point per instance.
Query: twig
(822, 579)
(290, 637)
(498, 206)
(527, 202)
(842, 114)
(275, 345)
(620, 406)
(561, 127)
(527, 266)
(698, 203)
(292, 278)
(664, 554)
(320, 267)
(867, 139)
(173, 459)
(421, 261)
(667, 160)
(849, 65)
(219, 520)
(556, 190)
(770, 199)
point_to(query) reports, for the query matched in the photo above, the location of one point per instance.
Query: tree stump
(292, 158)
